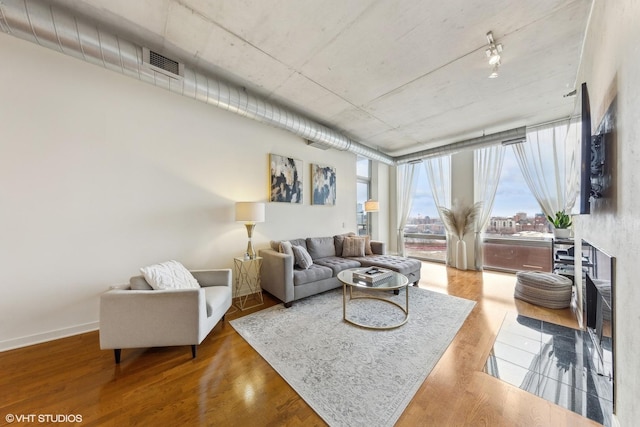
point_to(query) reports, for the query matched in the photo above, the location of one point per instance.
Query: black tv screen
(585, 164)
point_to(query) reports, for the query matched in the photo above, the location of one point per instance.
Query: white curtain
(406, 189)
(487, 167)
(549, 163)
(439, 173)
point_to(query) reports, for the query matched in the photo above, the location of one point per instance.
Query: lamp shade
(249, 212)
(371, 206)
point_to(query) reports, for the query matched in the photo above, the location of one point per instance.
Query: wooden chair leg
(194, 350)
(116, 353)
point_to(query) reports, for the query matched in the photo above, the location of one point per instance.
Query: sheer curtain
(439, 173)
(549, 163)
(406, 189)
(487, 167)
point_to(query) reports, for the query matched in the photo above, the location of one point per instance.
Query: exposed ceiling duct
(57, 29)
(507, 137)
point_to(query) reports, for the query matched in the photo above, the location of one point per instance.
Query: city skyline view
(512, 196)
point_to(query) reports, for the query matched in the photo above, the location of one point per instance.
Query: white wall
(101, 174)
(611, 67)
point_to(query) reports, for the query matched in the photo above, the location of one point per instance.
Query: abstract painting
(286, 179)
(323, 185)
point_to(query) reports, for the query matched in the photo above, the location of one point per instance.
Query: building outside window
(516, 213)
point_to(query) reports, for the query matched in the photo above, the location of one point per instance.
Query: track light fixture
(494, 72)
(493, 53)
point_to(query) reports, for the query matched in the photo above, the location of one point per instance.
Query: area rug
(349, 375)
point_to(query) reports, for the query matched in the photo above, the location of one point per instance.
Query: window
(516, 213)
(516, 237)
(363, 192)
(424, 232)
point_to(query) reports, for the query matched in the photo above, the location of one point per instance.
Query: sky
(512, 195)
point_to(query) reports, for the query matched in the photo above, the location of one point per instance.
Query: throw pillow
(353, 247)
(302, 257)
(169, 275)
(286, 248)
(338, 241)
(367, 245)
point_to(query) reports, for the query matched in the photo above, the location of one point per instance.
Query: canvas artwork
(323, 185)
(286, 179)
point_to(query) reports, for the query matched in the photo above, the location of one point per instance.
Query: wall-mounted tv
(598, 153)
(585, 142)
(603, 161)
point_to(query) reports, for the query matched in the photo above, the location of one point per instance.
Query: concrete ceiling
(399, 76)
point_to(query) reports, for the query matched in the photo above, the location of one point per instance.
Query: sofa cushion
(338, 241)
(169, 275)
(299, 242)
(215, 297)
(321, 247)
(396, 263)
(378, 248)
(312, 274)
(337, 264)
(353, 247)
(302, 257)
(275, 244)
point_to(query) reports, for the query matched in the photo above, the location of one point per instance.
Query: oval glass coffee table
(394, 282)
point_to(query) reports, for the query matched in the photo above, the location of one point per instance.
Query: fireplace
(598, 306)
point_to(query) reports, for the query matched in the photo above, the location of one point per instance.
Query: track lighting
(494, 72)
(493, 53)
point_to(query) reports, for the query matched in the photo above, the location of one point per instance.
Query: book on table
(372, 274)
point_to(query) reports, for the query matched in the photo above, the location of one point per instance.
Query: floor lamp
(370, 206)
(250, 213)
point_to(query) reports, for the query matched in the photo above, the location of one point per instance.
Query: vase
(561, 233)
(461, 255)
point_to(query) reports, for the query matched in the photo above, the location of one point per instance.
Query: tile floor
(556, 363)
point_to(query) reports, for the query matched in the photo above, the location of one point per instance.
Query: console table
(562, 261)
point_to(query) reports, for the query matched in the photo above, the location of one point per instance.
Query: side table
(247, 282)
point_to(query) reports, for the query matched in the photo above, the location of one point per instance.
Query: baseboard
(48, 336)
(614, 421)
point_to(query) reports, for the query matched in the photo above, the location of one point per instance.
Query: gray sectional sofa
(283, 278)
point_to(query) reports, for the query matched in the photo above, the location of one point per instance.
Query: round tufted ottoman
(543, 289)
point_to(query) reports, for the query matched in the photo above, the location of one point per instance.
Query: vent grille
(161, 63)
(164, 63)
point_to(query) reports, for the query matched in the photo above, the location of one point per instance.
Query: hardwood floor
(229, 384)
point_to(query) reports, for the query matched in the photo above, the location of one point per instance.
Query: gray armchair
(135, 315)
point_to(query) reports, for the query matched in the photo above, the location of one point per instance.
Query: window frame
(361, 216)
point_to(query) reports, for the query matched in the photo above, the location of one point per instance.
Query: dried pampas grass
(460, 220)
